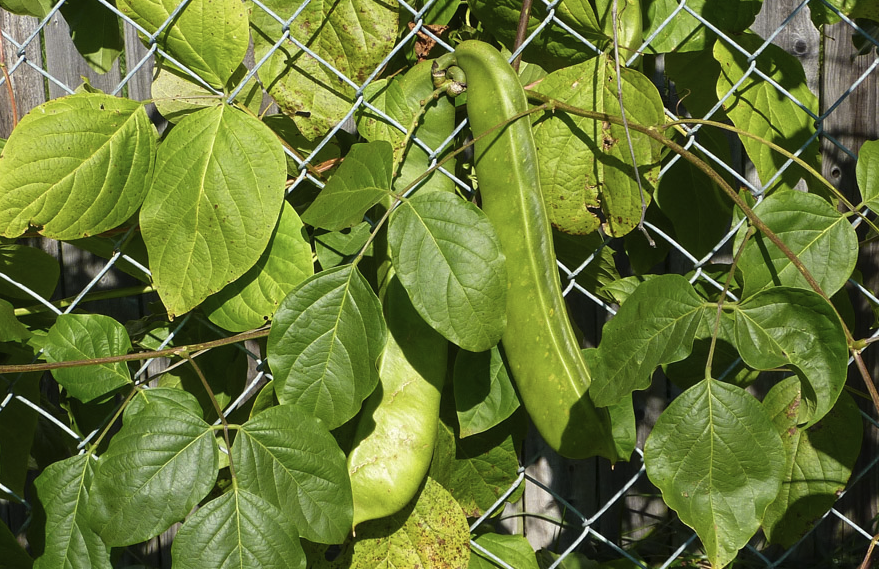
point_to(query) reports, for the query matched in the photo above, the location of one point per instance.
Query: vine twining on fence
(329, 284)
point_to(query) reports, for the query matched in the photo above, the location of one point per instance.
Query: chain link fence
(25, 50)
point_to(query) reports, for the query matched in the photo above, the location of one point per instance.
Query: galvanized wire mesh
(26, 63)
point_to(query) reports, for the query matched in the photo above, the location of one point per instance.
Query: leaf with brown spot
(586, 164)
(429, 532)
(353, 36)
(819, 461)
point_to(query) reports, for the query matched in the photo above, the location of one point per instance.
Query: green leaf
(37, 8)
(656, 325)
(819, 461)
(448, 257)
(176, 94)
(292, 461)
(695, 205)
(621, 289)
(251, 301)
(32, 267)
(824, 14)
(264, 400)
(363, 179)
(401, 98)
(586, 164)
(18, 426)
(12, 553)
(726, 359)
(760, 109)
(822, 238)
(76, 166)
(441, 12)
(214, 202)
(792, 327)
(352, 35)
(430, 532)
(395, 434)
(645, 257)
(684, 32)
(624, 428)
(476, 470)
(157, 467)
(324, 342)
(11, 330)
(87, 336)
(868, 174)
(63, 493)
(514, 550)
(484, 392)
(717, 459)
(94, 29)
(695, 75)
(620, 414)
(554, 47)
(285, 128)
(337, 247)
(210, 37)
(238, 530)
(162, 402)
(628, 21)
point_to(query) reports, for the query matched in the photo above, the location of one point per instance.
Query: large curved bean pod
(540, 344)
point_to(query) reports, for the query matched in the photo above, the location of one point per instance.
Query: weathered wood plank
(27, 83)
(798, 37)
(852, 122)
(138, 86)
(67, 66)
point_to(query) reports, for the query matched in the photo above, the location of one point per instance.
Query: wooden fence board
(65, 63)
(851, 123)
(798, 37)
(27, 83)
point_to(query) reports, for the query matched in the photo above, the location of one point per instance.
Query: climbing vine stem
(218, 409)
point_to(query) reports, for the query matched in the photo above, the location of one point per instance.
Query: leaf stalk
(177, 351)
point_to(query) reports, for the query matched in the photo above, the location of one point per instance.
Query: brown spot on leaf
(607, 140)
(424, 44)
(793, 408)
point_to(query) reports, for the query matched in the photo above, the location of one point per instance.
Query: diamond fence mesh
(40, 63)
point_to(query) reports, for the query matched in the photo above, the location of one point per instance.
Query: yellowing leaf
(214, 202)
(586, 164)
(429, 532)
(313, 94)
(76, 166)
(210, 37)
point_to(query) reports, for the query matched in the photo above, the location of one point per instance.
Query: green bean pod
(397, 431)
(542, 349)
